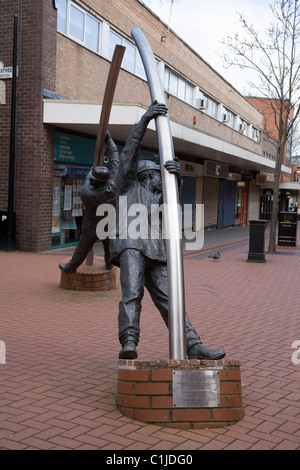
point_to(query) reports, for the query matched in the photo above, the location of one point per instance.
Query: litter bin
(287, 229)
(3, 230)
(257, 241)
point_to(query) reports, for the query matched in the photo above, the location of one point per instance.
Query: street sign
(6, 72)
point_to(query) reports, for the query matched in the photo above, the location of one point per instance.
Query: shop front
(225, 196)
(216, 197)
(73, 157)
(241, 202)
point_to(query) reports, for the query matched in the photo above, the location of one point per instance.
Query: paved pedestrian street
(59, 353)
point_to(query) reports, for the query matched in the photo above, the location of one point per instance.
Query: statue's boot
(67, 267)
(199, 351)
(128, 350)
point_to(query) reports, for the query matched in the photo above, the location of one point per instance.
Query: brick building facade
(36, 70)
(62, 72)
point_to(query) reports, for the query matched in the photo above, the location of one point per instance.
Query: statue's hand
(156, 109)
(173, 166)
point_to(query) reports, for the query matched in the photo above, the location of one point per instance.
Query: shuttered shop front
(210, 200)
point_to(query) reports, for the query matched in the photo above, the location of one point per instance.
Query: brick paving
(58, 385)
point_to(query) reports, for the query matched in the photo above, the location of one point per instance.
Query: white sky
(203, 24)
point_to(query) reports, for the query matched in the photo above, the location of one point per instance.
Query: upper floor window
(242, 126)
(78, 24)
(228, 117)
(178, 86)
(208, 106)
(255, 134)
(132, 61)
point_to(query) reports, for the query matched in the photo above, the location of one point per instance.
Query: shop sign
(189, 167)
(74, 149)
(78, 150)
(261, 179)
(215, 169)
(234, 177)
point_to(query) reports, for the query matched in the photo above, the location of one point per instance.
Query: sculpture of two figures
(142, 260)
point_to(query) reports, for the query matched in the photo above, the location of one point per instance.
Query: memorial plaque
(196, 389)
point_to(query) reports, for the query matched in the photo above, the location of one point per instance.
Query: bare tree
(275, 58)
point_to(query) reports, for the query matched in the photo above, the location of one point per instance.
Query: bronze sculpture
(99, 187)
(143, 262)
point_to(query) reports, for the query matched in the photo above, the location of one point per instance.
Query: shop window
(67, 207)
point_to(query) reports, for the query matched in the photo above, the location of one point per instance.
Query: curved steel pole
(172, 212)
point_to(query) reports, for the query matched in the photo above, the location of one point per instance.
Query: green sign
(78, 150)
(70, 148)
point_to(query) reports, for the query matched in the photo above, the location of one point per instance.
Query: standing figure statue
(143, 261)
(99, 187)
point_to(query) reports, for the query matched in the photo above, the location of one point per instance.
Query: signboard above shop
(215, 169)
(79, 150)
(75, 149)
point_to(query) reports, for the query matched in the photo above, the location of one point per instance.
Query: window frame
(136, 70)
(172, 81)
(67, 27)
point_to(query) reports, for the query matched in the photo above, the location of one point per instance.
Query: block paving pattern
(58, 385)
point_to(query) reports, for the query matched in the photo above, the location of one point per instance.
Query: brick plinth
(145, 393)
(89, 278)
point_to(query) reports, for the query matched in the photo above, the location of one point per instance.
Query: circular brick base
(89, 278)
(145, 393)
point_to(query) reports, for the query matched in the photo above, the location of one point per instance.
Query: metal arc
(172, 212)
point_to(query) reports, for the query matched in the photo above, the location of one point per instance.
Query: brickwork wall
(269, 119)
(145, 393)
(50, 60)
(80, 72)
(37, 50)
(6, 40)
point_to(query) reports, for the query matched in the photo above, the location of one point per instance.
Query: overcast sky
(203, 24)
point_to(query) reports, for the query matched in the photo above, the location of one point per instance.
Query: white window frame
(67, 32)
(231, 117)
(169, 76)
(137, 58)
(208, 105)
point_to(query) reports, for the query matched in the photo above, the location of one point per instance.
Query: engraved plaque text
(196, 389)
